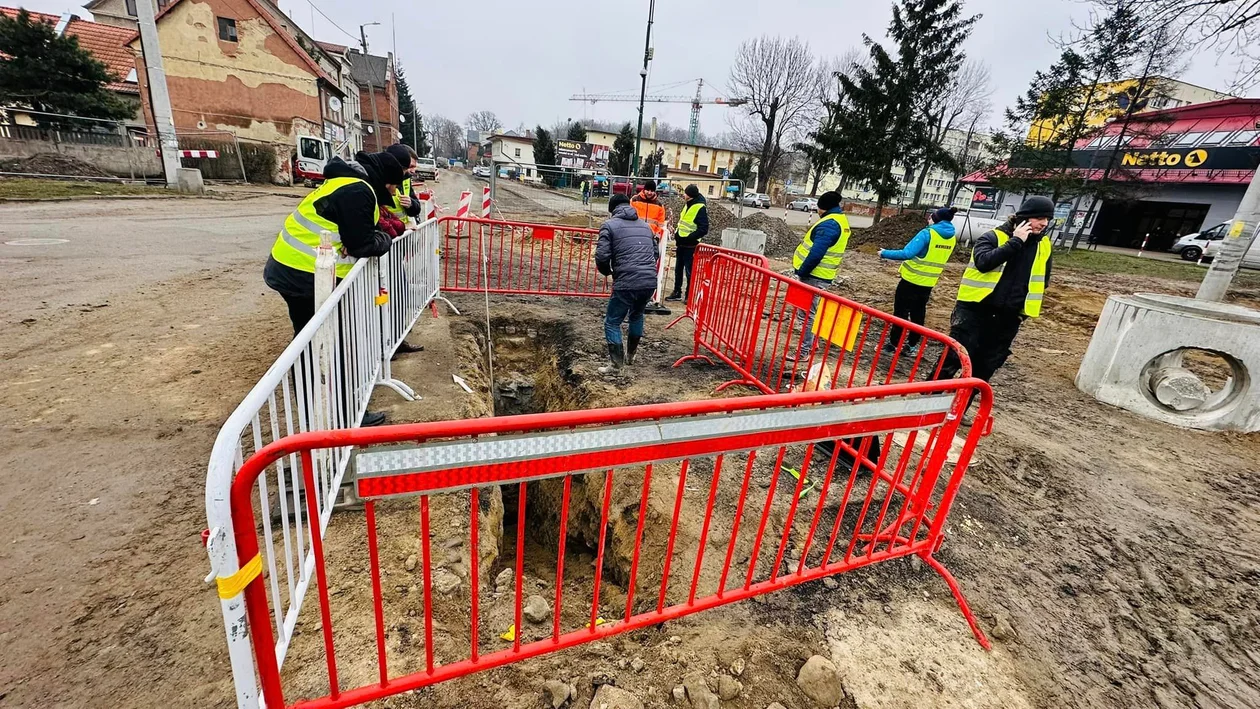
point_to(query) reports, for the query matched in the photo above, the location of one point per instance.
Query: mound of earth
(52, 164)
(781, 238)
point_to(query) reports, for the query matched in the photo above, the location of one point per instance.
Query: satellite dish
(334, 103)
(402, 118)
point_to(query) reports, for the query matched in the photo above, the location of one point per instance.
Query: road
(130, 335)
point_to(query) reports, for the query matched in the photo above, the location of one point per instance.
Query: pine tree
(742, 171)
(53, 74)
(652, 162)
(544, 147)
(412, 135)
(622, 151)
(576, 132)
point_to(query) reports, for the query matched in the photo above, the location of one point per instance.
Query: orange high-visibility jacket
(651, 212)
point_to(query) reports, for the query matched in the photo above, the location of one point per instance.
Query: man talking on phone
(1003, 285)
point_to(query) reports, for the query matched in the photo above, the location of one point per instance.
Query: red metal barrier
(755, 320)
(520, 258)
(705, 253)
(871, 507)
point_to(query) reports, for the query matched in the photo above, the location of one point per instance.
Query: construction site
(1107, 558)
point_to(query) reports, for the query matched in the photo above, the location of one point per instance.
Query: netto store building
(1184, 170)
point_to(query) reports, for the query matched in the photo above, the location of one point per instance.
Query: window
(227, 29)
(131, 8)
(702, 168)
(686, 166)
(1187, 140)
(518, 152)
(1216, 137)
(710, 190)
(311, 148)
(1163, 141)
(1246, 137)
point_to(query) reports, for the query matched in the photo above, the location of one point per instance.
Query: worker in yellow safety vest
(922, 263)
(404, 202)
(347, 204)
(818, 257)
(693, 225)
(1003, 285)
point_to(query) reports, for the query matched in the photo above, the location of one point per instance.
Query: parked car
(481, 171)
(756, 199)
(426, 168)
(1201, 243)
(805, 204)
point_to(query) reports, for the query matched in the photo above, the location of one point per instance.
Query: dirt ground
(1111, 559)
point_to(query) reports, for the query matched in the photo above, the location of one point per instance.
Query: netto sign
(1193, 158)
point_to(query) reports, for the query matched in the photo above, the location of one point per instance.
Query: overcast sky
(523, 60)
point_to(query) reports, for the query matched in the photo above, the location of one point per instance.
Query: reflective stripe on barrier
(520, 258)
(880, 453)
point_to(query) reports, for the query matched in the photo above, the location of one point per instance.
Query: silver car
(805, 204)
(756, 199)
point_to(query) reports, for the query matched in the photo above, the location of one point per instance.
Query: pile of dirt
(781, 238)
(889, 233)
(52, 164)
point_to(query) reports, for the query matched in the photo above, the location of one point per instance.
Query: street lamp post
(647, 57)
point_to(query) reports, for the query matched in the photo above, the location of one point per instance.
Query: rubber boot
(632, 345)
(618, 357)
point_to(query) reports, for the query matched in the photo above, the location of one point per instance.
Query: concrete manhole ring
(36, 242)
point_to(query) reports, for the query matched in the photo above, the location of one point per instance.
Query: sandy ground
(1111, 559)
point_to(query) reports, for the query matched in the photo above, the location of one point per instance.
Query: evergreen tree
(742, 170)
(413, 134)
(879, 121)
(622, 151)
(53, 74)
(576, 132)
(544, 147)
(653, 161)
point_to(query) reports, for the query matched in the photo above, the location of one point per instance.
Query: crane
(693, 132)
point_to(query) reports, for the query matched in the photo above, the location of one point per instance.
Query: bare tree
(1230, 27)
(966, 101)
(448, 137)
(779, 79)
(484, 121)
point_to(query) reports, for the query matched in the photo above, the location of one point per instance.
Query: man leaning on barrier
(346, 204)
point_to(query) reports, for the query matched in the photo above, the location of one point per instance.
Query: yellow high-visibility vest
(687, 220)
(830, 264)
(295, 244)
(926, 270)
(396, 208)
(976, 285)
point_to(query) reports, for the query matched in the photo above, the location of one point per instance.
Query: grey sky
(523, 60)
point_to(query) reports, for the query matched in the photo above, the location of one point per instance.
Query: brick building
(378, 98)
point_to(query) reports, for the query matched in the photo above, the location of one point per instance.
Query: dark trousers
(623, 304)
(301, 310)
(909, 303)
(682, 262)
(986, 333)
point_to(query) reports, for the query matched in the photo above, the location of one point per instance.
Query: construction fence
(855, 445)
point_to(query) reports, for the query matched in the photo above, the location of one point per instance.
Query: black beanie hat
(402, 153)
(692, 191)
(616, 201)
(944, 214)
(1036, 207)
(386, 167)
(828, 201)
(648, 186)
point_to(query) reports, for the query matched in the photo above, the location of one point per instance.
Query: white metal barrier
(322, 380)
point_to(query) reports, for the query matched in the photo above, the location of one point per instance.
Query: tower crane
(693, 132)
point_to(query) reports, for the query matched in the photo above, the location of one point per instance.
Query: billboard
(582, 156)
(985, 199)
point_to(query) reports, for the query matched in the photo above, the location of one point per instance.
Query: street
(129, 339)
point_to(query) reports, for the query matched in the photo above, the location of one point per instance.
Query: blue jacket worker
(818, 257)
(922, 263)
(693, 225)
(627, 251)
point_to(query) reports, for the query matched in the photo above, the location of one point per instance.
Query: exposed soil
(1111, 559)
(52, 164)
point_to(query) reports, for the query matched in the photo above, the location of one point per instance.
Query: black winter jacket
(351, 208)
(702, 226)
(1018, 256)
(627, 250)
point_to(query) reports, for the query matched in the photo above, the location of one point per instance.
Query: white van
(1205, 243)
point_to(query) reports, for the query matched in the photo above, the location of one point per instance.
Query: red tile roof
(106, 43)
(334, 48)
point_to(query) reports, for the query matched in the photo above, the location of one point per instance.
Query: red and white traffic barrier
(485, 202)
(465, 203)
(199, 153)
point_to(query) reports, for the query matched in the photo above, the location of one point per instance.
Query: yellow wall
(1108, 108)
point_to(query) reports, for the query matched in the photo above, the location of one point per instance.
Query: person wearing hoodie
(922, 263)
(693, 225)
(1003, 286)
(626, 250)
(346, 204)
(404, 203)
(818, 257)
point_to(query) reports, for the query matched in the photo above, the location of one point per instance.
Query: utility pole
(159, 98)
(376, 122)
(647, 57)
(1242, 232)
